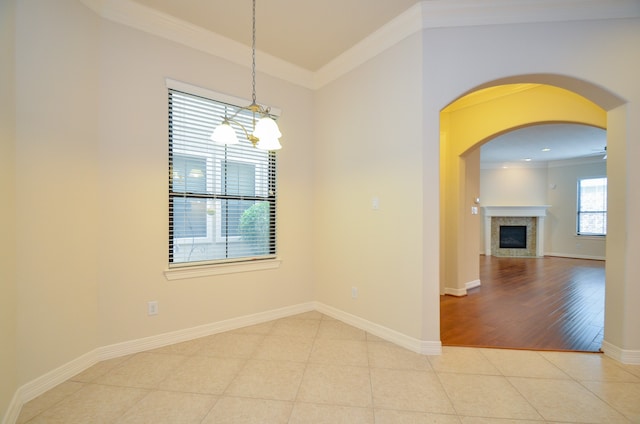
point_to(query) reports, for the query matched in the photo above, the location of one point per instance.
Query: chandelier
(265, 132)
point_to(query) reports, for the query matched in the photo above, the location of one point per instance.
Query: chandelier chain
(253, 55)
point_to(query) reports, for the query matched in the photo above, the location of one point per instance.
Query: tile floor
(310, 368)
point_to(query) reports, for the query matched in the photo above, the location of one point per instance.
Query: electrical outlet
(152, 307)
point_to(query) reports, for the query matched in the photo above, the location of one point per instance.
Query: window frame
(580, 211)
(179, 270)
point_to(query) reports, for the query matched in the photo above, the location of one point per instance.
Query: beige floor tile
(338, 385)
(486, 396)
(98, 370)
(144, 370)
(262, 328)
(565, 400)
(335, 329)
(624, 397)
(462, 360)
(233, 410)
(339, 352)
(590, 366)
(284, 348)
(384, 416)
(409, 390)
(202, 374)
(296, 327)
(388, 355)
(633, 369)
(480, 420)
(47, 400)
(231, 345)
(522, 363)
(310, 315)
(95, 404)
(161, 407)
(311, 413)
(373, 338)
(277, 380)
(187, 348)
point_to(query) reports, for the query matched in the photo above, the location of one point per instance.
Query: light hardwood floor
(545, 303)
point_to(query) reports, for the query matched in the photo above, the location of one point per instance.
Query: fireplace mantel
(516, 210)
(537, 212)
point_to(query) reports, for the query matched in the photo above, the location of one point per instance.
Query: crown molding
(444, 13)
(390, 34)
(134, 15)
(424, 15)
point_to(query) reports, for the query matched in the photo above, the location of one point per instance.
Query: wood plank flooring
(545, 303)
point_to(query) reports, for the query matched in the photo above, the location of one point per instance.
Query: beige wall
(91, 183)
(8, 353)
(56, 176)
(90, 178)
(554, 185)
(560, 238)
(368, 145)
(133, 187)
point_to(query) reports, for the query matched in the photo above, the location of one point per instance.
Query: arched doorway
(472, 120)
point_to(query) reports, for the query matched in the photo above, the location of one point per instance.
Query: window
(592, 206)
(222, 199)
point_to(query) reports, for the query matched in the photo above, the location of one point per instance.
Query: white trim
(185, 87)
(472, 284)
(455, 292)
(424, 15)
(149, 20)
(220, 269)
(625, 356)
(575, 256)
(390, 34)
(165, 339)
(423, 347)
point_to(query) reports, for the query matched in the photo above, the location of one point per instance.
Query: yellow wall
(8, 353)
(468, 123)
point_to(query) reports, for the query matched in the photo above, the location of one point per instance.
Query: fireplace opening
(513, 237)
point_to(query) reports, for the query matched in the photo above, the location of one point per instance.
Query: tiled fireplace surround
(531, 216)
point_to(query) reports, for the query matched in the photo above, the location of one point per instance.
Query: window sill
(220, 269)
(590, 237)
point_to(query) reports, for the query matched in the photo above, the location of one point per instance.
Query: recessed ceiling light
(527, 159)
(545, 149)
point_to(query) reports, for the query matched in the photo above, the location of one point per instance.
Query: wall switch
(375, 203)
(354, 292)
(152, 307)
(474, 210)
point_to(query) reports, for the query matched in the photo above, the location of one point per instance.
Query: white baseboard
(625, 356)
(411, 343)
(160, 340)
(472, 284)
(575, 256)
(455, 292)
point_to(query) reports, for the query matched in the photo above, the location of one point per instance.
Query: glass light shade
(269, 143)
(224, 134)
(267, 128)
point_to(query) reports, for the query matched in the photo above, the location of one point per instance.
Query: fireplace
(513, 237)
(530, 217)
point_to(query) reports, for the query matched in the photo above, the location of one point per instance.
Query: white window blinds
(222, 199)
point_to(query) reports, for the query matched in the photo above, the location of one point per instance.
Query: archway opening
(468, 123)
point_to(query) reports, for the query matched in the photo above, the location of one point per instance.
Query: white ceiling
(564, 141)
(311, 33)
(307, 33)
